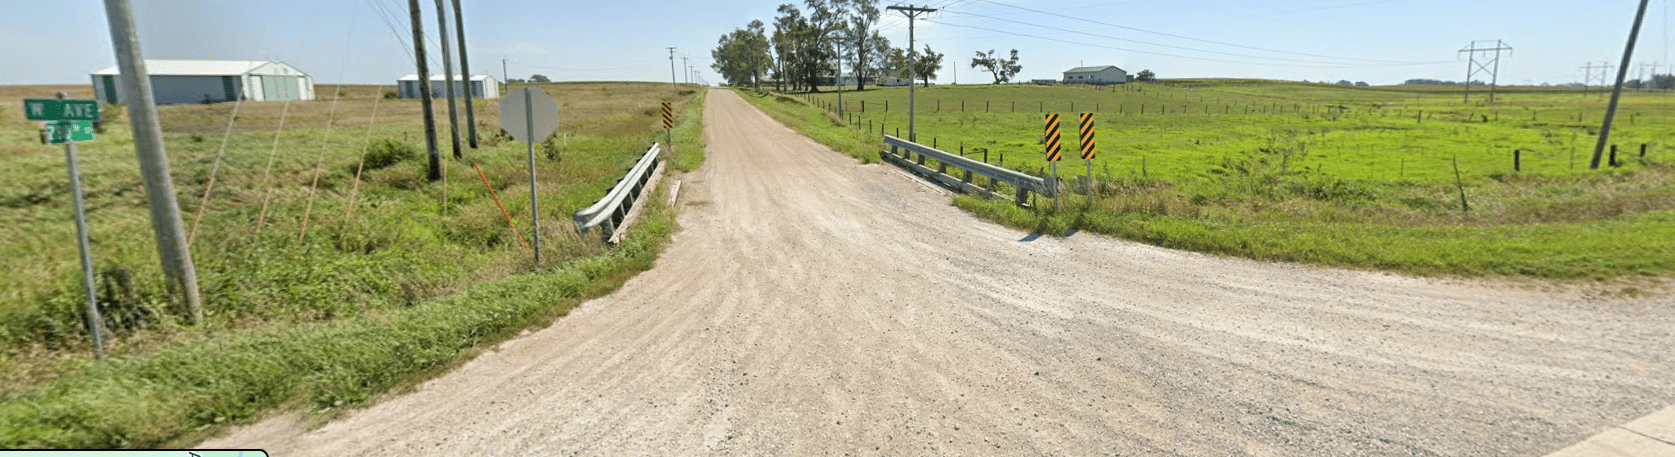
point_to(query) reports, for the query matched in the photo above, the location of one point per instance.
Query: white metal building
(200, 81)
(1103, 74)
(482, 86)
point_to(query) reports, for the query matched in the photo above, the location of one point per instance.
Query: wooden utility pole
(154, 162)
(424, 90)
(911, 12)
(448, 75)
(465, 72)
(1617, 93)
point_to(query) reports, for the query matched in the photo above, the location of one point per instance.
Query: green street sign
(59, 132)
(45, 109)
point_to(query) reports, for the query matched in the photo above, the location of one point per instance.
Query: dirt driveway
(812, 306)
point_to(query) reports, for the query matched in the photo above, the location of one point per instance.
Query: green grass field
(1313, 173)
(411, 267)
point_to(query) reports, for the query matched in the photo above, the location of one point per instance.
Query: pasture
(1345, 176)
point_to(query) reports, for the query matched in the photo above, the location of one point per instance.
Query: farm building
(482, 86)
(1104, 74)
(208, 81)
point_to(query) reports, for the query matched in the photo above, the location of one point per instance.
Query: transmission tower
(1588, 76)
(1487, 64)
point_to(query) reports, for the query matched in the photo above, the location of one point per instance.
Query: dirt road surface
(813, 306)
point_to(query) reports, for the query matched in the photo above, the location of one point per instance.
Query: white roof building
(482, 86)
(1103, 74)
(209, 81)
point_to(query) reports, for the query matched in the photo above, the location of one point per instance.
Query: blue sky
(1381, 42)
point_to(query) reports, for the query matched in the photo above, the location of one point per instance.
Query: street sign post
(71, 122)
(44, 109)
(530, 115)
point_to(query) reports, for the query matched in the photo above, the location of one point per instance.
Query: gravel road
(813, 306)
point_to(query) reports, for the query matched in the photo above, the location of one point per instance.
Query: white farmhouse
(208, 81)
(1104, 74)
(482, 86)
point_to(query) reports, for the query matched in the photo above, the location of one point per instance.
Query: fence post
(1517, 159)
(1642, 150)
(1614, 162)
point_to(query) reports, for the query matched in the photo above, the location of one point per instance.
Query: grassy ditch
(1354, 185)
(394, 277)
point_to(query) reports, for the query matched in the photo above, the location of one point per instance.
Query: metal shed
(1104, 74)
(209, 81)
(482, 86)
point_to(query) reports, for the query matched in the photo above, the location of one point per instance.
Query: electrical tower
(1490, 65)
(912, 13)
(1588, 76)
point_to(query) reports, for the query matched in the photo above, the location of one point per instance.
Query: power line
(1164, 53)
(1223, 43)
(1144, 42)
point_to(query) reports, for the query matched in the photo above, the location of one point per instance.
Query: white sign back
(529, 114)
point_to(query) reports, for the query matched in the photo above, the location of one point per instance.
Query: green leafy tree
(1145, 75)
(859, 36)
(926, 64)
(539, 78)
(1002, 69)
(742, 57)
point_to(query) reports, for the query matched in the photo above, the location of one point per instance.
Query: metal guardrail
(1023, 182)
(609, 211)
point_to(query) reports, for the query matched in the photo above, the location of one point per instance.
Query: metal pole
(448, 74)
(94, 321)
(1617, 93)
(435, 172)
(534, 205)
(176, 256)
(1495, 75)
(465, 72)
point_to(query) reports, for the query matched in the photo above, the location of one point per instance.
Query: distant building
(894, 81)
(1104, 74)
(482, 86)
(209, 81)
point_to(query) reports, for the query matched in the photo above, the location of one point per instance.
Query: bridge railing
(912, 156)
(608, 212)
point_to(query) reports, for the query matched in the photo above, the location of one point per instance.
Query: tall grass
(401, 249)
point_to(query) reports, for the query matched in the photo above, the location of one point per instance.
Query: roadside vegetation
(411, 278)
(1359, 177)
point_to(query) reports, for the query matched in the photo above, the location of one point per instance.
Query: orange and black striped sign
(668, 116)
(1053, 153)
(1085, 127)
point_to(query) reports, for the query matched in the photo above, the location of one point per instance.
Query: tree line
(807, 45)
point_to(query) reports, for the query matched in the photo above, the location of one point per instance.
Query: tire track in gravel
(810, 305)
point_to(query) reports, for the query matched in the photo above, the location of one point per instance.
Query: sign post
(1053, 153)
(1085, 128)
(70, 122)
(669, 125)
(530, 115)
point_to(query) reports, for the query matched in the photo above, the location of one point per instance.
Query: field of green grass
(1345, 176)
(410, 277)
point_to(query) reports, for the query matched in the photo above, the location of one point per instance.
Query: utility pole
(424, 90)
(1617, 93)
(504, 76)
(912, 12)
(465, 72)
(672, 81)
(1492, 66)
(688, 70)
(448, 75)
(176, 256)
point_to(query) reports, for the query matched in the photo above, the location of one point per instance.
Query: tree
(860, 15)
(539, 78)
(1361, 84)
(1145, 75)
(1664, 81)
(1345, 82)
(1003, 70)
(926, 65)
(742, 56)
